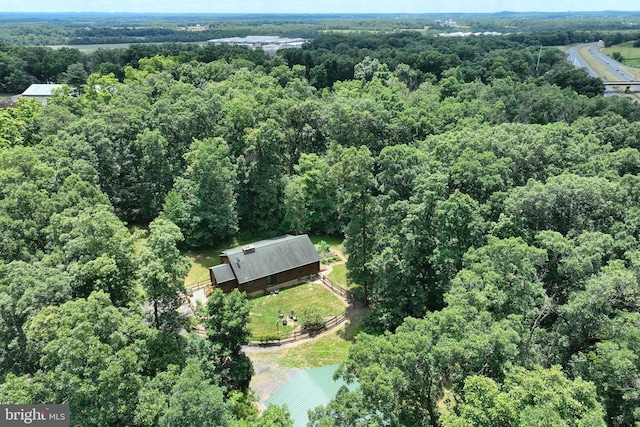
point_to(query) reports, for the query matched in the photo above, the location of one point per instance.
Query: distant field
(362, 31)
(631, 54)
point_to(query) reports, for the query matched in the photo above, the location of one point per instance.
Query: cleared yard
(264, 310)
(338, 275)
(201, 260)
(326, 350)
(334, 242)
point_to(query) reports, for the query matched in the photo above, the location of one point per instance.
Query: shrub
(323, 247)
(266, 339)
(330, 259)
(311, 318)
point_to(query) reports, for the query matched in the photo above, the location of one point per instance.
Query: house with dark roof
(270, 263)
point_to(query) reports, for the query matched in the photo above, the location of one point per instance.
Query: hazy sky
(322, 6)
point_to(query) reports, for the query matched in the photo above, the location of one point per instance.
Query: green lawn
(264, 310)
(338, 275)
(201, 260)
(334, 242)
(326, 350)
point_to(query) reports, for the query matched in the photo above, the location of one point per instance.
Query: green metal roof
(308, 390)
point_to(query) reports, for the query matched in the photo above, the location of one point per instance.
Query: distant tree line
(327, 59)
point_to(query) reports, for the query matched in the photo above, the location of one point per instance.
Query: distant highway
(614, 67)
(577, 60)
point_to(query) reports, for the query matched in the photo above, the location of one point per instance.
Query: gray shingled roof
(223, 273)
(271, 256)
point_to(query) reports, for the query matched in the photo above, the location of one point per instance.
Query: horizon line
(321, 13)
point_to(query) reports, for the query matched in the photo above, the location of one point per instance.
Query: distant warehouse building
(270, 44)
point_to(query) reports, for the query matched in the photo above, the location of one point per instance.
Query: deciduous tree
(162, 272)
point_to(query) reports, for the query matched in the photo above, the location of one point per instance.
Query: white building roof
(40, 89)
(257, 40)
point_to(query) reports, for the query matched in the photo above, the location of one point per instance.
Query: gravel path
(269, 375)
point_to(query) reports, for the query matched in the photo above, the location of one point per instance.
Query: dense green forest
(486, 190)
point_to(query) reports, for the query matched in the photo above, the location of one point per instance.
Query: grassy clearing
(264, 310)
(143, 236)
(326, 350)
(201, 260)
(335, 243)
(338, 275)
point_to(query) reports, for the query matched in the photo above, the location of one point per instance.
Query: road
(614, 67)
(577, 60)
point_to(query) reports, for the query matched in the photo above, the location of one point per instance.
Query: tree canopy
(487, 194)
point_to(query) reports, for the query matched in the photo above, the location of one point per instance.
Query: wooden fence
(200, 285)
(346, 294)
(276, 339)
(285, 338)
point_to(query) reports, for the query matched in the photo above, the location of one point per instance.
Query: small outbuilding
(308, 390)
(270, 263)
(39, 91)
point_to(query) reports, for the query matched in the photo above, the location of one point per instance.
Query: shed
(40, 91)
